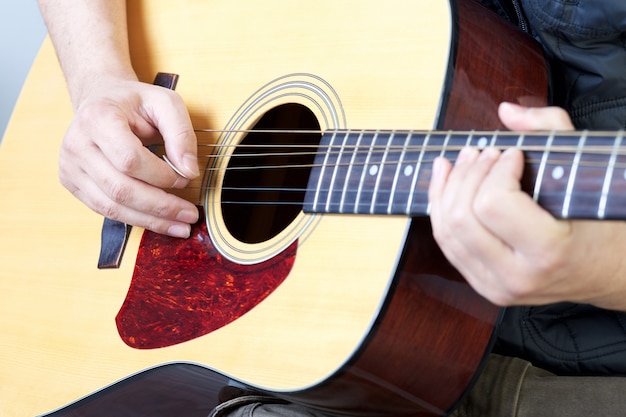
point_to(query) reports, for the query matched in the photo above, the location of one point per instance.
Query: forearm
(91, 40)
(603, 260)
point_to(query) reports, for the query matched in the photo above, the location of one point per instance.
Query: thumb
(181, 144)
(516, 117)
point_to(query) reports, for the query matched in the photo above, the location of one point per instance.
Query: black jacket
(585, 45)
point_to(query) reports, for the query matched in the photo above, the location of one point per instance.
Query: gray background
(21, 33)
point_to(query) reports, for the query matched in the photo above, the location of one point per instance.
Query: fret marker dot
(408, 170)
(558, 172)
(374, 170)
(483, 142)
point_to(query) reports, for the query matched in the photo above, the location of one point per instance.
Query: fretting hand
(507, 247)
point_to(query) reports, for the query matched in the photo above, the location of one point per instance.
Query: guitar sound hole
(265, 183)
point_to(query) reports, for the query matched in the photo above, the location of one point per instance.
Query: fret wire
(360, 188)
(542, 167)
(468, 142)
(445, 143)
(418, 167)
(443, 148)
(322, 169)
(493, 139)
(609, 177)
(572, 178)
(394, 185)
(520, 140)
(337, 165)
(350, 166)
(470, 137)
(380, 175)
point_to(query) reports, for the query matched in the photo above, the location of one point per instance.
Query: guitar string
(588, 150)
(474, 133)
(295, 190)
(596, 150)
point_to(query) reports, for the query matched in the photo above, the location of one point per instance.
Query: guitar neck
(572, 175)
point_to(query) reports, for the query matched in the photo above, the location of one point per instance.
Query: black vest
(585, 46)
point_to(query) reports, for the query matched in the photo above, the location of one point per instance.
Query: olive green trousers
(507, 387)
(512, 387)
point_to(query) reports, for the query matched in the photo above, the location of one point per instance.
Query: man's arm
(91, 41)
(103, 159)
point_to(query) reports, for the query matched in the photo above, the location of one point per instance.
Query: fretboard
(571, 175)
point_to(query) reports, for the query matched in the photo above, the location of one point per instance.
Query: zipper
(520, 16)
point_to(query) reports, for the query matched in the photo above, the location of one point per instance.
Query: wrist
(81, 88)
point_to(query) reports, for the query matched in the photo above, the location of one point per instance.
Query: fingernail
(182, 231)
(510, 152)
(489, 153)
(509, 107)
(191, 164)
(437, 163)
(180, 182)
(187, 216)
(463, 155)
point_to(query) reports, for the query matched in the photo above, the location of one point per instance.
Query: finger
(103, 129)
(463, 185)
(439, 176)
(459, 234)
(141, 163)
(464, 180)
(496, 211)
(528, 235)
(171, 118)
(123, 198)
(516, 117)
(137, 195)
(172, 217)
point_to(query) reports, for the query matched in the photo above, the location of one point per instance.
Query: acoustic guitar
(313, 276)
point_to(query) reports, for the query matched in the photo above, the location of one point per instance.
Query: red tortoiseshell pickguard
(183, 289)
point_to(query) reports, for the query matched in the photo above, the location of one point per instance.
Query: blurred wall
(21, 33)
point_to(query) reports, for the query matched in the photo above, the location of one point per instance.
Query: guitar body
(352, 314)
